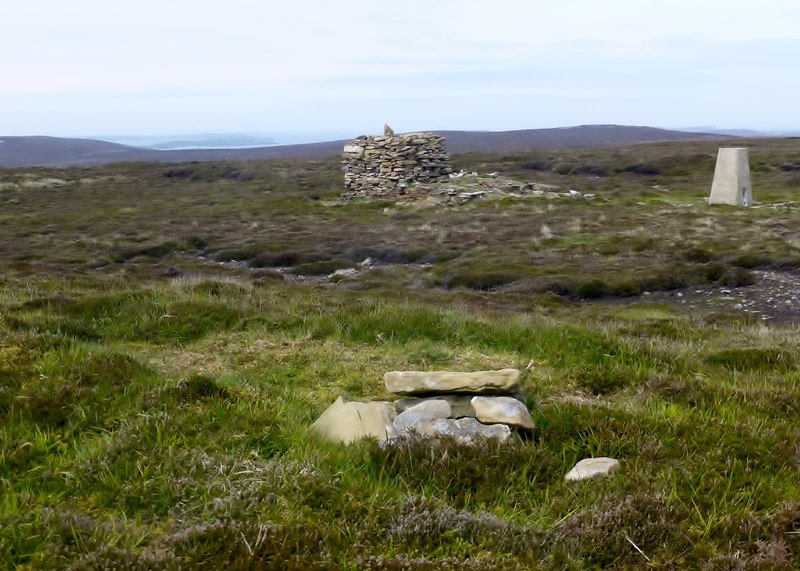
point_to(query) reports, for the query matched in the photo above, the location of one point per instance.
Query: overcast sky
(343, 68)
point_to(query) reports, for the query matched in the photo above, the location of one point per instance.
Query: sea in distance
(219, 140)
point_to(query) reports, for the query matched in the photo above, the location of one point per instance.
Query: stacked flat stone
(385, 165)
(465, 406)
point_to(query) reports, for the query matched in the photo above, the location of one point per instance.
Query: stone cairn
(467, 407)
(385, 165)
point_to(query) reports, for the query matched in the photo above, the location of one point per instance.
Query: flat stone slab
(437, 408)
(426, 411)
(410, 421)
(460, 405)
(469, 430)
(504, 381)
(592, 468)
(505, 410)
(347, 421)
(464, 430)
(353, 150)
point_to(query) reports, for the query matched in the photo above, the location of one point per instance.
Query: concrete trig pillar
(732, 178)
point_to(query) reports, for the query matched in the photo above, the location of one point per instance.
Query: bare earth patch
(775, 297)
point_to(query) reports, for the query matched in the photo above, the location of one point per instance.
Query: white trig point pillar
(732, 178)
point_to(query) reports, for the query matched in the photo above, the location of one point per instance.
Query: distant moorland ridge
(55, 151)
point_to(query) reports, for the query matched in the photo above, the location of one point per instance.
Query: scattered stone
(343, 273)
(504, 381)
(773, 297)
(471, 195)
(592, 468)
(506, 410)
(346, 422)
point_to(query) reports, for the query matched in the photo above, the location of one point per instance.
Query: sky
(321, 69)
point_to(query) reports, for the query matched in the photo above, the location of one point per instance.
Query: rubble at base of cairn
(385, 165)
(467, 407)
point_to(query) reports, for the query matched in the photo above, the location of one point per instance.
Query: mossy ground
(159, 377)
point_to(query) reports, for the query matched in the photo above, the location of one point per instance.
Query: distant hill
(54, 151)
(749, 133)
(581, 136)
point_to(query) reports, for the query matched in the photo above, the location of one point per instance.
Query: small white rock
(343, 273)
(592, 468)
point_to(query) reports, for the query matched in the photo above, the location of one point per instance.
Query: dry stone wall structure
(385, 165)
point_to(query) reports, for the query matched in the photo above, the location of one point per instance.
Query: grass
(158, 379)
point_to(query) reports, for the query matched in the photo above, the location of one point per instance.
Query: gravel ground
(775, 297)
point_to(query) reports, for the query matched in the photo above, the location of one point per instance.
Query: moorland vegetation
(168, 333)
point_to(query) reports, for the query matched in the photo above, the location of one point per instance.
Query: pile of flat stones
(385, 165)
(465, 406)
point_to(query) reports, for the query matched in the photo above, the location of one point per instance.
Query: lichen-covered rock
(423, 412)
(464, 430)
(504, 381)
(469, 430)
(506, 410)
